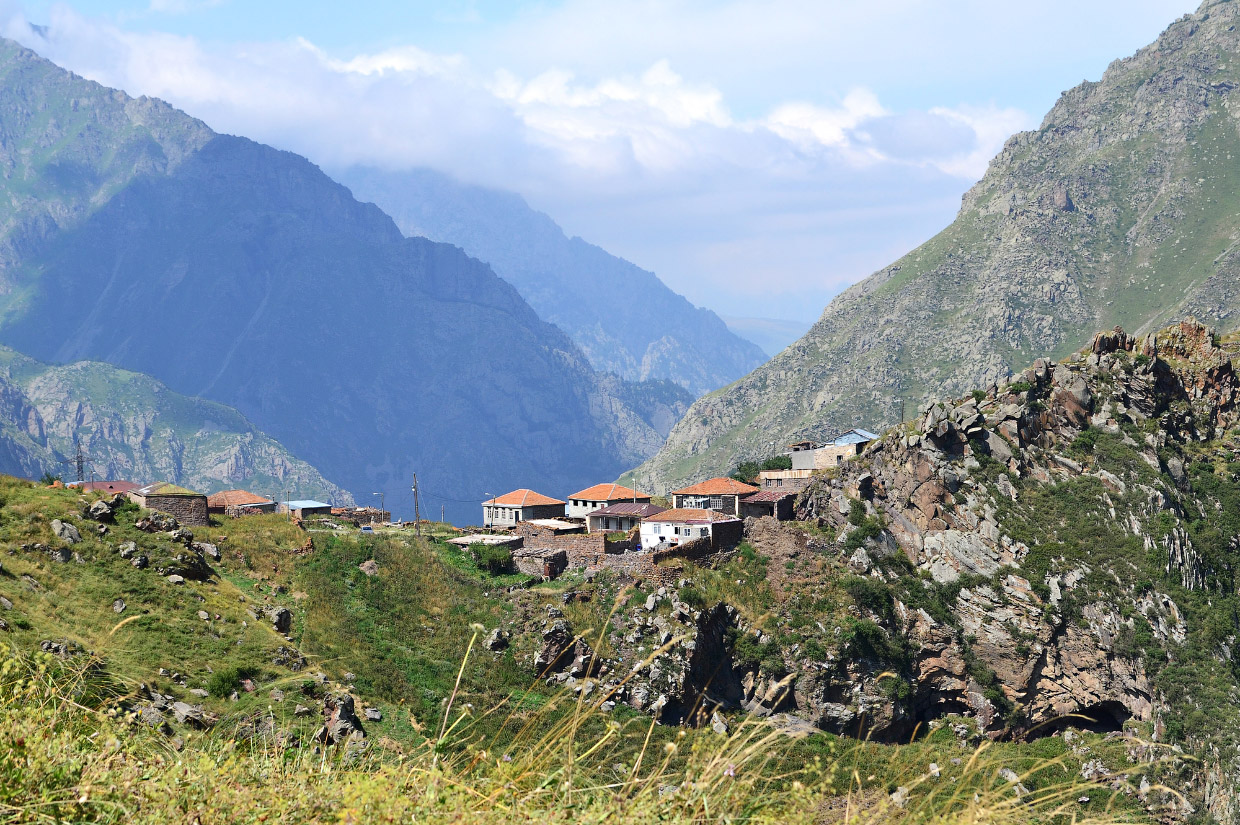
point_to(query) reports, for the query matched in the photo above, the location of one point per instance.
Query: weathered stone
(369, 567)
(65, 532)
(340, 722)
(281, 618)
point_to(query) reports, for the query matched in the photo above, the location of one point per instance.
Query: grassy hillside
(466, 733)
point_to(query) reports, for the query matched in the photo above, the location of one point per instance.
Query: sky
(758, 156)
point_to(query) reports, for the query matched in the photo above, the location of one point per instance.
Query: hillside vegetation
(1120, 209)
(126, 695)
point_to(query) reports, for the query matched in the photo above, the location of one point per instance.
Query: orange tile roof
(235, 498)
(691, 515)
(523, 498)
(717, 487)
(609, 492)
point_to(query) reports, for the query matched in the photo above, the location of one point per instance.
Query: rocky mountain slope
(1121, 208)
(1056, 552)
(623, 317)
(233, 271)
(130, 426)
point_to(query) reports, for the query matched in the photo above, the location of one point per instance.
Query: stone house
(584, 502)
(685, 524)
(511, 509)
(186, 506)
(722, 495)
(775, 503)
(623, 516)
(842, 448)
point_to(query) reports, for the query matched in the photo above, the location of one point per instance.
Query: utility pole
(288, 510)
(380, 495)
(79, 462)
(442, 520)
(417, 509)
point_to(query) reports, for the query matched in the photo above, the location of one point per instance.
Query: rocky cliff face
(1055, 551)
(624, 318)
(132, 427)
(235, 272)
(1120, 209)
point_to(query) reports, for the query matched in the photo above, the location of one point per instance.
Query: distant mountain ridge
(240, 273)
(1123, 208)
(131, 427)
(623, 317)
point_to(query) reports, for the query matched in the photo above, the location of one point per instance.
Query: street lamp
(380, 495)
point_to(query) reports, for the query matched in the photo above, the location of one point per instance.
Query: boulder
(141, 562)
(118, 606)
(340, 722)
(127, 549)
(209, 551)
(281, 618)
(557, 640)
(101, 511)
(497, 639)
(175, 579)
(192, 715)
(374, 715)
(157, 523)
(66, 532)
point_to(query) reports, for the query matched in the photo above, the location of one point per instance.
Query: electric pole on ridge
(417, 509)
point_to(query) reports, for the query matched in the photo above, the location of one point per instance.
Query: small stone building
(186, 506)
(774, 503)
(511, 509)
(842, 448)
(722, 495)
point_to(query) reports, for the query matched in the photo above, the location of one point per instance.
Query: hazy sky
(758, 156)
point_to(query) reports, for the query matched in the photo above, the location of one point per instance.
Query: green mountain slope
(1122, 208)
(130, 426)
(233, 271)
(624, 318)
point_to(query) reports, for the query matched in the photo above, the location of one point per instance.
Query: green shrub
(223, 682)
(492, 558)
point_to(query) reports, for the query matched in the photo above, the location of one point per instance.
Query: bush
(495, 559)
(223, 682)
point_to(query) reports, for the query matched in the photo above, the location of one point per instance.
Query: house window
(716, 502)
(779, 482)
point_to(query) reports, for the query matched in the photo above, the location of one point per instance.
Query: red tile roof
(691, 515)
(523, 498)
(717, 487)
(609, 492)
(235, 498)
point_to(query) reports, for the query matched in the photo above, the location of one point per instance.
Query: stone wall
(546, 563)
(189, 510)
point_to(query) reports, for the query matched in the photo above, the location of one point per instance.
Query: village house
(584, 502)
(303, 508)
(513, 508)
(685, 524)
(722, 495)
(842, 448)
(623, 516)
(775, 503)
(363, 515)
(234, 502)
(186, 506)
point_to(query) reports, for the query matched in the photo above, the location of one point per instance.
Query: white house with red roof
(684, 524)
(584, 502)
(511, 509)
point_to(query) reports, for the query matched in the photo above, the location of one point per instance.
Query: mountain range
(242, 274)
(1122, 208)
(622, 317)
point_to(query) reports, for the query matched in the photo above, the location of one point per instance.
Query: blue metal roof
(305, 504)
(854, 437)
